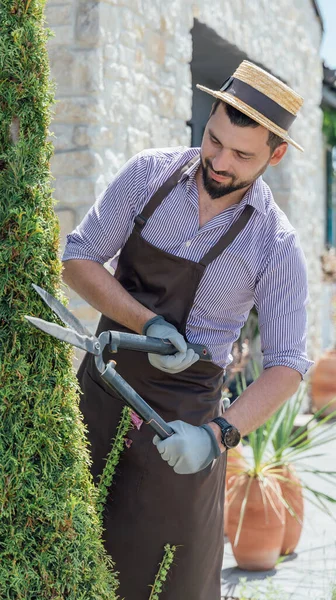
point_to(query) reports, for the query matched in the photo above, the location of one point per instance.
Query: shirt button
(188, 243)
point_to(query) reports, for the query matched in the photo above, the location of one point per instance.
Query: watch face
(232, 437)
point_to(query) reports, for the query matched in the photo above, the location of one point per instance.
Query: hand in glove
(190, 449)
(158, 327)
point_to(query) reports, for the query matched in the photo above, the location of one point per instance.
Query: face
(233, 157)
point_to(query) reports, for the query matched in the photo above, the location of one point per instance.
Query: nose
(222, 160)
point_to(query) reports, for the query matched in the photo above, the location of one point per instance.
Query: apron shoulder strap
(163, 191)
(228, 237)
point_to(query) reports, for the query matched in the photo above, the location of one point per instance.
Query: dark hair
(241, 120)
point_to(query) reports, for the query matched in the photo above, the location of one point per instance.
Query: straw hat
(262, 97)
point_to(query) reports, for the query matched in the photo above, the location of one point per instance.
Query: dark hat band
(259, 101)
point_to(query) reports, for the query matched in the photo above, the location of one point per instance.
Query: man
(201, 241)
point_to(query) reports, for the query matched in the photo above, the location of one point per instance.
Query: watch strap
(224, 426)
(223, 423)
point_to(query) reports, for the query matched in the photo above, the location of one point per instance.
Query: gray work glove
(190, 449)
(175, 363)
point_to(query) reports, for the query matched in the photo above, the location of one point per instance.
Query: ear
(278, 154)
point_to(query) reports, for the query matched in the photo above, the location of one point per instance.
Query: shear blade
(67, 335)
(62, 312)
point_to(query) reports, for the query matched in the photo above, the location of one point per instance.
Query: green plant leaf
(242, 511)
(274, 445)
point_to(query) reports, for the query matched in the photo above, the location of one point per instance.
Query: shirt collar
(254, 195)
(191, 172)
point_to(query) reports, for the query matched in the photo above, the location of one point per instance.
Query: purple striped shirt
(264, 265)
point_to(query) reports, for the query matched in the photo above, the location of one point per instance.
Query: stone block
(61, 66)
(70, 192)
(179, 134)
(105, 136)
(136, 6)
(166, 102)
(153, 12)
(142, 116)
(94, 137)
(139, 88)
(171, 63)
(62, 138)
(80, 136)
(155, 47)
(87, 22)
(77, 163)
(183, 77)
(59, 14)
(111, 53)
(110, 26)
(113, 161)
(76, 71)
(116, 71)
(160, 132)
(127, 56)
(183, 108)
(151, 69)
(138, 140)
(168, 79)
(66, 219)
(130, 39)
(167, 25)
(130, 21)
(62, 36)
(180, 46)
(117, 113)
(79, 109)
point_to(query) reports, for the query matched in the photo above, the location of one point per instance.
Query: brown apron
(149, 505)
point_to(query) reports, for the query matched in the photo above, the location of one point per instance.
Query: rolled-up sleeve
(108, 224)
(281, 296)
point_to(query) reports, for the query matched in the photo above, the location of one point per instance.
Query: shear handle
(143, 343)
(134, 401)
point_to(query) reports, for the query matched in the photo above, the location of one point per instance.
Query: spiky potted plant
(292, 449)
(265, 494)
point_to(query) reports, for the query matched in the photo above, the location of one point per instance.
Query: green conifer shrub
(50, 532)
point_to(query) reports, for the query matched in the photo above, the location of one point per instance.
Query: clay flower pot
(256, 512)
(254, 503)
(323, 382)
(291, 489)
(234, 465)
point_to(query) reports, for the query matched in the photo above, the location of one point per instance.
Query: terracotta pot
(235, 461)
(292, 493)
(263, 528)
(323, 382)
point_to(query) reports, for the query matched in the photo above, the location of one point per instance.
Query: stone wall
(124, 83)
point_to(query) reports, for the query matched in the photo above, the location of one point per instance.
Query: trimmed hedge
(50, 532)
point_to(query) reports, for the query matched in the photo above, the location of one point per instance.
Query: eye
(242, 156)
(214, 140)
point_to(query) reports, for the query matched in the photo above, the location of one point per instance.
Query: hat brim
(250, 112)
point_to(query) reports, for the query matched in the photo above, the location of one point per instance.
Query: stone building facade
(126, 72)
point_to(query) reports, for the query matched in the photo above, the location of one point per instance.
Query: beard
(218, 190)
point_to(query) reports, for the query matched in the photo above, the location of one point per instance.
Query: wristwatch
(230, 434)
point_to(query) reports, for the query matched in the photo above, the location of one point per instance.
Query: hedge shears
(78, 335)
